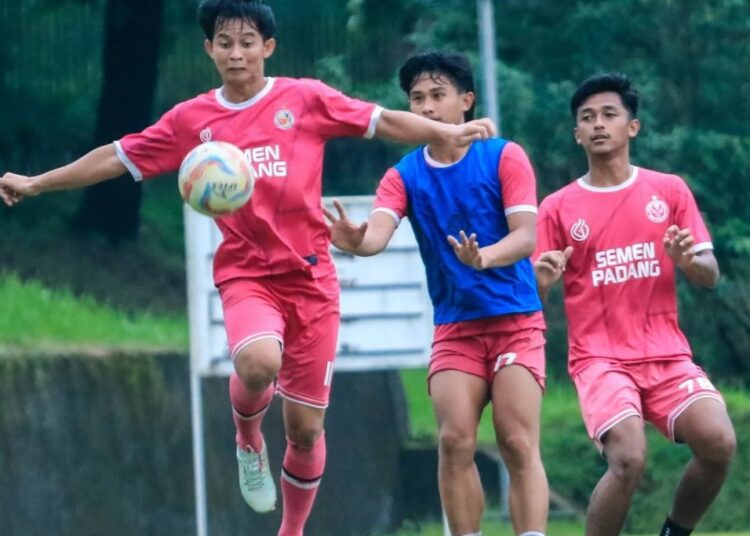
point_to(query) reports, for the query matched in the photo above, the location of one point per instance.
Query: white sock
(474, 534)
(532, 534)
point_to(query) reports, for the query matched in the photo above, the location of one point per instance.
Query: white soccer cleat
(256, 482)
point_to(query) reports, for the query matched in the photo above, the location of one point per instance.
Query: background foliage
(690, 59)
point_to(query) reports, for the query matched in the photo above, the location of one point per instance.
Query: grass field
(34, 316)
(556, 528)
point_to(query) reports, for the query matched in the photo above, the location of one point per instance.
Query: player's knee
(256, 369)
(627, 465)
(457, 444)
(303, 435)
(517, 450)
(718, 448)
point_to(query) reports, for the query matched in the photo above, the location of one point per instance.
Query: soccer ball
(216, 179)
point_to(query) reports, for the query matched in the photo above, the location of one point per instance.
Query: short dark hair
(212, 14)
(604, 83)
(455, 67)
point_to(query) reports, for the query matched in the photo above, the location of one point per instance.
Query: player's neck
(603, 173)
(238, 93)
(446, 154)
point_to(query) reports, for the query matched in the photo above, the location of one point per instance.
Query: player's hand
(679, 245)
(467, 250)
(478, 129)
(550, 265)
(13, 188)
(345, 234)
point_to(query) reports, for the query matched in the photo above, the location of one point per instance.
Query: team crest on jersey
(206, 135)
(657, 210)
(283, 119)
(579, 230)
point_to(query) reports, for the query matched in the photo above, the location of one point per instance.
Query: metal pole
(486, 23)
(199, 464)
(197, 231)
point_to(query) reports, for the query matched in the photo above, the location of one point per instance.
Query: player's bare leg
(625, 450)
(516, 407)
(251, 388)
(705, 427)
(458, 399)
(304, 461)
(250, 391)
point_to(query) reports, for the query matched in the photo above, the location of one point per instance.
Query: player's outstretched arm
(365, 239)
(700, 268)
(548, 269)
(96, 166)
(407, 127)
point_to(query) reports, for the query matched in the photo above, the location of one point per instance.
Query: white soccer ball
(216, 179)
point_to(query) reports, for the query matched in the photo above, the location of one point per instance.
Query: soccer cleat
(256, 482)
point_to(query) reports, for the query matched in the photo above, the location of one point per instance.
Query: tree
(132, 40)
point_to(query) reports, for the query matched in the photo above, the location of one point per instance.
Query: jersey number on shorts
(703, 383)
(503, 360)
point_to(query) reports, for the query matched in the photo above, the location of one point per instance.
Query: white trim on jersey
(246, 104)
(388, 211)
(702, 246)
(374, 120)
(434, 163)
(132, 168)
(603, 189)
(520, 208)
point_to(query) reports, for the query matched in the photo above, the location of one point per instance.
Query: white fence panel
(386, 315)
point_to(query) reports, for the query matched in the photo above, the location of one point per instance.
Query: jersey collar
(586, 186)
(435, 164)
(245, 104)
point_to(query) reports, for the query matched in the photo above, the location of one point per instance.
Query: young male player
(488, 341)
(275, 276)
(618, 233)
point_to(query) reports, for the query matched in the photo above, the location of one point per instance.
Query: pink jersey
(515, 177)
(619, 283)
(283, 130)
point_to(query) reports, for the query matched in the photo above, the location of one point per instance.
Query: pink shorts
(483, 347)
(657, 391)
(302, 314)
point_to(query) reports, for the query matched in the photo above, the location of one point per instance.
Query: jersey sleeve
(517, 180)
(153, 151)
(687, 216)
(337, 115)
(548, 232)
(391, 196)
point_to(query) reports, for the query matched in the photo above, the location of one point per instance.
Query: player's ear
(576, 136)
(208, 46)
(269, 45)
(634, 127)
(467, 101)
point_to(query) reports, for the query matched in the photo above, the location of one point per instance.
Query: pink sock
(248, 409)
(300, 476)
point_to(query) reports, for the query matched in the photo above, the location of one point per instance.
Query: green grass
(496, 528)
(37, 317)
(556, 528)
